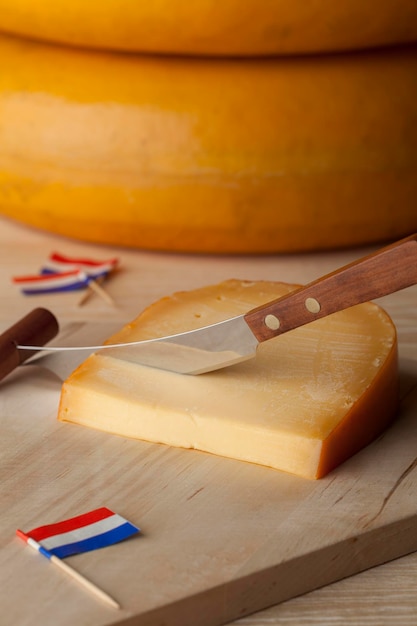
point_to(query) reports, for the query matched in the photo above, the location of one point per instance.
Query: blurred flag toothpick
(61, 273)
(96, 529)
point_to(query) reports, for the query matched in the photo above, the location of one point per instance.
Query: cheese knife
(225, 343)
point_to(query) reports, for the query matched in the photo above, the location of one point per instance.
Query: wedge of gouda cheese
(308, 401)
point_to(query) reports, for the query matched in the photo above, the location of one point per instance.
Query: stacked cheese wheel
(227, 127)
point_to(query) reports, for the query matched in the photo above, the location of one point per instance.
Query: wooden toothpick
(94, 285)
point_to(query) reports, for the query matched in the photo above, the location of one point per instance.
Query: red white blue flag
(90, 531)
(59, 263)
(52, 282)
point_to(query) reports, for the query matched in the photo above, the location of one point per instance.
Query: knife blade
(225, 343)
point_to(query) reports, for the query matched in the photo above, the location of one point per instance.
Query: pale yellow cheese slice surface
(309, 400)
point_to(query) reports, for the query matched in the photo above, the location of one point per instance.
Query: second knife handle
(388, 270)
(36, 328)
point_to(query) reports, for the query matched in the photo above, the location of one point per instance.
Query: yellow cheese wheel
(214, 27)
(309, 400)
(218, 156)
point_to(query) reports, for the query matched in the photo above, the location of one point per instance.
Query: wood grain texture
(382, 596)
(221, 538)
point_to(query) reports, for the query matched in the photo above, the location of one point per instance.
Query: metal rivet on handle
(312, 305)
(272, 322)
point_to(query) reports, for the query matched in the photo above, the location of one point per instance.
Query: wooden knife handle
(383, 272)
(35, 329)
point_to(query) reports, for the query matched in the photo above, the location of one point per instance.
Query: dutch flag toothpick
(62, 273)
(83, 533)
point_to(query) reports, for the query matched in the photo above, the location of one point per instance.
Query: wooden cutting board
(220, 538)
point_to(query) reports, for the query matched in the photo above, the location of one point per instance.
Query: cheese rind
(121, 149)
(210, 27)
(310, 399)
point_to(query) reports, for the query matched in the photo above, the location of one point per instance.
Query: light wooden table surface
(383, 595)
